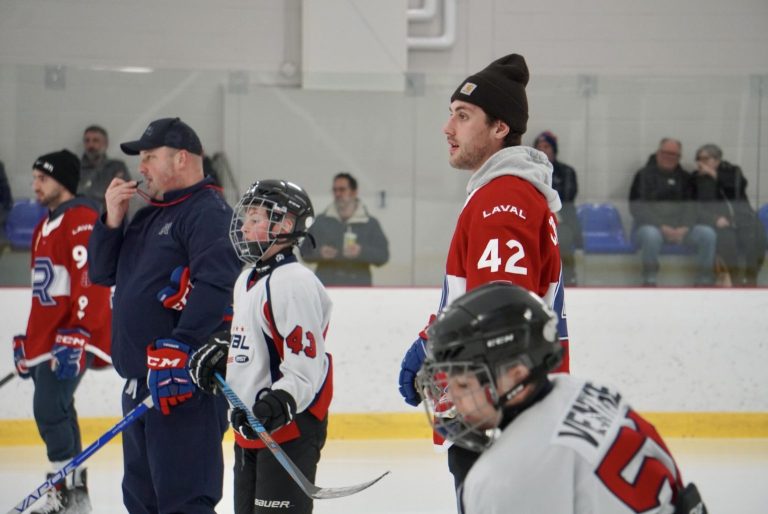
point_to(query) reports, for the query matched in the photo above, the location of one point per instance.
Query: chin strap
(534, 376)
(295, 236)
(508, 414)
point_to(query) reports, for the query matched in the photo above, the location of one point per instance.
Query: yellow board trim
(399, 425)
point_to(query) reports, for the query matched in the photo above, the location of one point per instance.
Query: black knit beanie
(499, 89)
(64, 166)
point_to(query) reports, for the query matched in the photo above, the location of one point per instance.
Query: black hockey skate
(57, 500)
(65, 500)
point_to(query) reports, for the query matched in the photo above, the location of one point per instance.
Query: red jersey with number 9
(62, 295)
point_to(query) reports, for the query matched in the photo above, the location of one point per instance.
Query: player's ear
(501, 130)
(287, 225)
(509, 375)
(180, 158)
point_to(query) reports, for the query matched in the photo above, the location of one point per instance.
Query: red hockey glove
(69, 352)
(168, 379)
(19, 357)
(174, 296)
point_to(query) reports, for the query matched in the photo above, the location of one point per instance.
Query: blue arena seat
(21, 221)
(602, 229)
(762, 213)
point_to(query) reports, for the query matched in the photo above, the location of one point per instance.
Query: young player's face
(471, 141)
(48, 191)
(256, 224)
(473, 401)
(159, 169)
(257, 227)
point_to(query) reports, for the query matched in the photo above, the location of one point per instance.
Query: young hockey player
(550, 443)
(276, 360)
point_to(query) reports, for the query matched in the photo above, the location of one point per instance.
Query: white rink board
(671, 350)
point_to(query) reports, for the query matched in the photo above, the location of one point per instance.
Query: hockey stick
(7, 378)
(70, 466)
(47, 356)
(310, 489)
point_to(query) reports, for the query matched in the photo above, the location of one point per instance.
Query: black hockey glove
(689, 501)
(209, 359)
(274, 409)
(240, 424)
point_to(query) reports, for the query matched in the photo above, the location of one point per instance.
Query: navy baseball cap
(170, 132)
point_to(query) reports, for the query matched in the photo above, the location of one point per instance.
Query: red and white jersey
(579, 450)
(278, 341)
(507, 231)
(62, 294)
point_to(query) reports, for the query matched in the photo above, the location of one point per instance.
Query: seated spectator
(97, 170)
(347, 239)
(568, 226)
(6, 203)
(720, 188)
(660, 201)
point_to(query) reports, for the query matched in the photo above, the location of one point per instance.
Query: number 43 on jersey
(295, 341)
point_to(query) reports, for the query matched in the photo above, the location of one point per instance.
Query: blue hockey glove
(19, 357)
(168, 379)
(69, 352)
(209, 359)
(410, 366)
(174, 295)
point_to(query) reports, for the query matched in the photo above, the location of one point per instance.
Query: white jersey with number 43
(278, 341)
(580, 450)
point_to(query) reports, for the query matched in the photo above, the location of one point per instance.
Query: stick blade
(323, 493)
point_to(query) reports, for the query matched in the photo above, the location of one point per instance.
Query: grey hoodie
(521, 161)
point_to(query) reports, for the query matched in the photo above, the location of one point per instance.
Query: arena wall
(692, 359)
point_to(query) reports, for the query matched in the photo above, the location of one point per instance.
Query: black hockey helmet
(279, 198)
(494, 324)
(477, 338)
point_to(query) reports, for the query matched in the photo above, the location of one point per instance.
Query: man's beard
(94, 155)
(48, 200)
(469, 157)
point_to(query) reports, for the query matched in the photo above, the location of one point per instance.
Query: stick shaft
(81, 457)
(7, 378)
(302, 481)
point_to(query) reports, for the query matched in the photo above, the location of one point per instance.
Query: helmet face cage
(252, 251)
(275, 199)
(473, 426)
